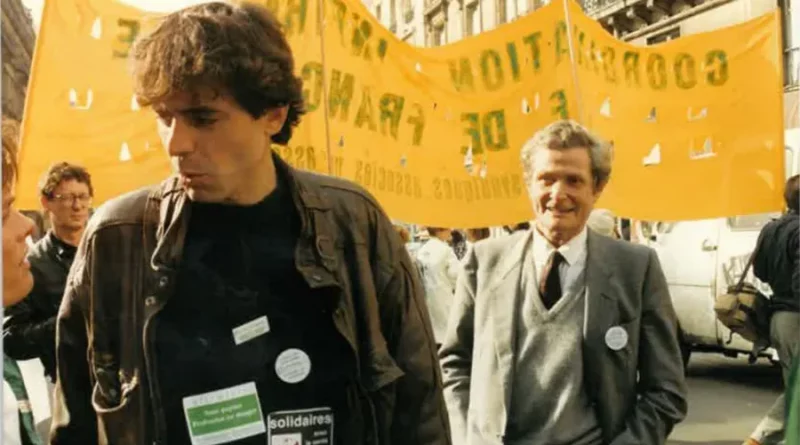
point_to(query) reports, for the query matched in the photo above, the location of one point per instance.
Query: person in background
(777, 263)
(29, 330)
(626, 229)
(403, 233)
(477, 234)
(517, 227)
(603, 222)
(559, 335)
(458, 242)
(439, 268)
(18, 423)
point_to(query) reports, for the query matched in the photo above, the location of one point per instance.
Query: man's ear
(274, 120)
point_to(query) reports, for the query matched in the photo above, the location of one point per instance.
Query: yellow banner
(697, 123)
(435, 133)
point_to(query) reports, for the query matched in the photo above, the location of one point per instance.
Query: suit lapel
(601, 306)
(505, 294)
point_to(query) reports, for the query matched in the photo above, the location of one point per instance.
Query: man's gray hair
(565, 134)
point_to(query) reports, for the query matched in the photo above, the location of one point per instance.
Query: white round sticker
(616, 338)
(293, 366)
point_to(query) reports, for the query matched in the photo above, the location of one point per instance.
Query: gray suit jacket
(625, 287)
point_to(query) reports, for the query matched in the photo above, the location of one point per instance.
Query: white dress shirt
(570, 271)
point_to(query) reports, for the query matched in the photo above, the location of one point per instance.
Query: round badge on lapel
(293, 365)
(616, 338)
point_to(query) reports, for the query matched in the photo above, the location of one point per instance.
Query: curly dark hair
(237, 50)
(60, 172)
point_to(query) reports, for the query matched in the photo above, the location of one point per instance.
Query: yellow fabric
(435, 133)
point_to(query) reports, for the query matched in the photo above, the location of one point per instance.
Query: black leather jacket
(30, 330)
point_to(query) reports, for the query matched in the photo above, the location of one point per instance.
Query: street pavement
(727, 399)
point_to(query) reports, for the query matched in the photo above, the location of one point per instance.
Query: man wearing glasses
(29, 330)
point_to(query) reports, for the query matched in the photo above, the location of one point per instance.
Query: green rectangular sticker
(225, 415)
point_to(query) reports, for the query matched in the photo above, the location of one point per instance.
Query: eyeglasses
(72, 199)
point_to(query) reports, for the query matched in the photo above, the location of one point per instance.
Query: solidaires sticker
(301, 427)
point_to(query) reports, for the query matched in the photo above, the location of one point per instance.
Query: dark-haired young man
(241, 301)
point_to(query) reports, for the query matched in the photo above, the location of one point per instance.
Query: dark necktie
(550, 281)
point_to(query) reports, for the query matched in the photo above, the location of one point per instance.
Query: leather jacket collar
(315, 252)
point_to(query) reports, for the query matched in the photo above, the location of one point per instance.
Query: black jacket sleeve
(29, 329)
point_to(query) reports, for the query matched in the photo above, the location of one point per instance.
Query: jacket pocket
(117, 414)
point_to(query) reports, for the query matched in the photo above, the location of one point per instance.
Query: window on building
(666, 36)
(408, 11)
(469, 19)
(378, 12)
(502, 13)
(437, 35)
(533, 5)
(393, 15)
(791, 46)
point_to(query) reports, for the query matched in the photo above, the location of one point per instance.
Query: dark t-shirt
(238, 266)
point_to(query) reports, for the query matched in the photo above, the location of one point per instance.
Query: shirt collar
(571, 251)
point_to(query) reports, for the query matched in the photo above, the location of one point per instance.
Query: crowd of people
(242, 300)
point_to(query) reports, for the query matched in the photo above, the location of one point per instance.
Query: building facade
(641, 22)
(18, 40)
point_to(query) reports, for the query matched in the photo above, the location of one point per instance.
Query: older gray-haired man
(558, 335)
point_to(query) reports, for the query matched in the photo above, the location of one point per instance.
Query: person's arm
(662, 386)
(24, 335)
(74, 421)
(456, 352)
(420, 415)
